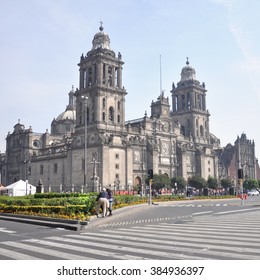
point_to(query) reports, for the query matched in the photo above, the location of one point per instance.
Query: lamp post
(116, 184)
(241, 178)
(27, 161)
(85, 98)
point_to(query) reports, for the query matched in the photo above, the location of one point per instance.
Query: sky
(42, 41)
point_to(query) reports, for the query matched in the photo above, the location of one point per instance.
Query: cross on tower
(101, 26)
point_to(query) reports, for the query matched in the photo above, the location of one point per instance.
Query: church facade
(92, 145)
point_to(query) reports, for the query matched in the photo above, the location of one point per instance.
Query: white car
(253, 192)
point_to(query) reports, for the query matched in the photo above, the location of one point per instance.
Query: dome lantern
(188, 72)
(101, 39)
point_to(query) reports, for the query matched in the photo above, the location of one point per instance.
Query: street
(193, 230)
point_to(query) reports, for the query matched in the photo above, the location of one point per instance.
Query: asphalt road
(121, 234)
(174, 211)
(171, 211)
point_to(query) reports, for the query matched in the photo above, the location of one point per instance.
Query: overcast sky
(42, 41)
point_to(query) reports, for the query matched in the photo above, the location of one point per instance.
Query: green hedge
(63, 204)
(59, 195)
(74, 203)
(62, 210)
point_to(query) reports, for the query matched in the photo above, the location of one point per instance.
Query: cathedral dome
(65, 121)
(188, 72)
(69, 114)
(101, 40)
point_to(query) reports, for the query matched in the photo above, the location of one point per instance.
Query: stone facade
(241, 155)
(91, 145)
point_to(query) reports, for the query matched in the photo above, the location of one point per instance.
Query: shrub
(73, 206)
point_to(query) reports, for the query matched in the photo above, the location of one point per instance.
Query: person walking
(102, 201)
(110, 200)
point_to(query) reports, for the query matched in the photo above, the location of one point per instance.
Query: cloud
(225, 3)
(245, 38)
(251, 61)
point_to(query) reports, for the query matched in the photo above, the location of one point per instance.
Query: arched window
(118, 118)
(111, 114)
(110, 71)
(188, 101)
(201, 131)
(183, 130)
(104, 116)
(87, 116)
(84, 78)
(199, 101)
(104, 103)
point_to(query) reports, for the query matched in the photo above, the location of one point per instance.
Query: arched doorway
(138, 181)
(138, 184)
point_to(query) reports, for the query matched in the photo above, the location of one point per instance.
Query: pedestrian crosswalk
(196, 205)
(219, 237)
(139, 221)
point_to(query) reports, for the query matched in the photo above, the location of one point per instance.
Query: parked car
(253, 192)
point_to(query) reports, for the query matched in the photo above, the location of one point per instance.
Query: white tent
(20, 188)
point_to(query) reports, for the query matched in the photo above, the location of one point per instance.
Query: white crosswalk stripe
(16, 255)
(7, 231)
(233, 237)
(78, 247)
(196, 205)
(142, 221)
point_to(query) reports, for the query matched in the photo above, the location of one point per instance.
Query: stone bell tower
(189, 106)
(100, 113)
(100, 82)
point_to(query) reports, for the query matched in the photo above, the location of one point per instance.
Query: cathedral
(91, 145)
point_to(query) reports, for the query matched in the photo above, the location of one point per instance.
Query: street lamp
(85, 98)
(27, 161)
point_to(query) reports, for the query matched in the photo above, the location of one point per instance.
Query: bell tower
(189, 106)
(100, 85)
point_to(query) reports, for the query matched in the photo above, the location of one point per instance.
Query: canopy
(20, 188)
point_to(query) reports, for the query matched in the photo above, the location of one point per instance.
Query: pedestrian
(110, 200)
(102, 202)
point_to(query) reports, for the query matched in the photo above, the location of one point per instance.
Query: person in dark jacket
(110, 200)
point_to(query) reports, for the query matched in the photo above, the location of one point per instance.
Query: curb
(44, 221)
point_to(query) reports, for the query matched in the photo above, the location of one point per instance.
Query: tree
(180, 182)
(161, 181)
(226, 183)
(212, 183)
(250, 184)
(197, 182)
